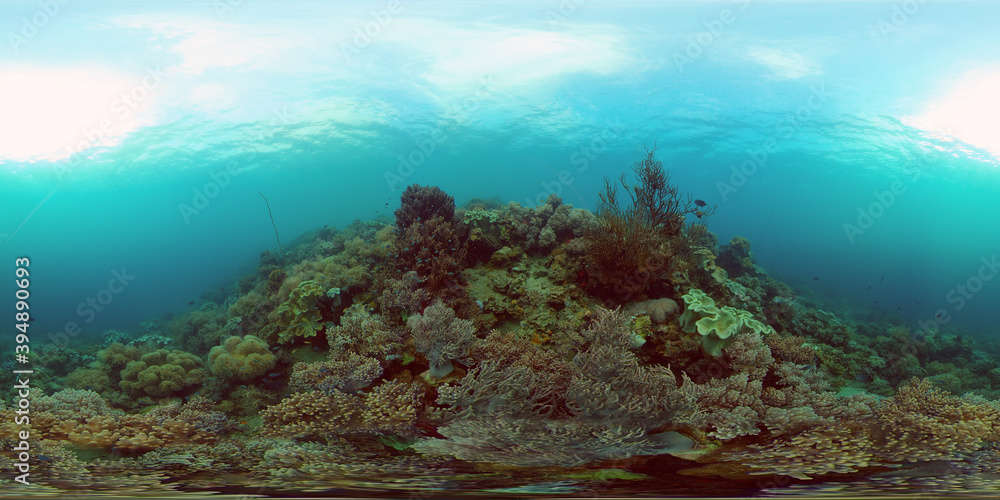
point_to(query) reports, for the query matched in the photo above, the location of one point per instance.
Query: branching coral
(388, 408)
(435, 249)
(348, 373)
(366, 334)
(525, 406)
(440, 336)
(630, 249)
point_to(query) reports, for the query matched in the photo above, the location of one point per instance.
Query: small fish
(45, 458)
(700, 203)
(869, 287)
(815, 278)
(274, 374)
(191, 303)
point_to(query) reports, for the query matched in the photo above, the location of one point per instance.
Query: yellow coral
(241, 358)
(162, 373)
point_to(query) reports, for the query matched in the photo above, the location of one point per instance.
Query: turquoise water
(514, 100)
(855, 145)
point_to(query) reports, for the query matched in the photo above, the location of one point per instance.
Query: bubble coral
(241, 358)
(162, 373)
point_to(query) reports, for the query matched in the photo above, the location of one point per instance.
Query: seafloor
(499, 350)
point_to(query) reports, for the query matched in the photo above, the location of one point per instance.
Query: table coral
(242, 359)
(162, 373)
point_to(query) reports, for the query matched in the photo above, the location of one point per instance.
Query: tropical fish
(700, 203)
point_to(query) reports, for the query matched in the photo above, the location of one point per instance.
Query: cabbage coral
(300, 315)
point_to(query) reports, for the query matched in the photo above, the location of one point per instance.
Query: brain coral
(241, 358)
(162, 373)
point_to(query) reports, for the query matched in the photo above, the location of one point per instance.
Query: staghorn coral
(402, 296)
(828, 449)
(536, 442)
(85, 420)
(440, 336)
(241, 359)
(162, 373)
(525, 406)
(347, 373)
(366, 334)
(388, 408)
(921, 422)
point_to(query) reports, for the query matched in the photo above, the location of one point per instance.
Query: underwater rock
(658, 310)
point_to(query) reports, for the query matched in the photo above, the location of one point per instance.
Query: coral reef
(478, 335)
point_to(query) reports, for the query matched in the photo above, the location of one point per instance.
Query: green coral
(241, 359)
(162, 373)
(300, 315)
(717, 326)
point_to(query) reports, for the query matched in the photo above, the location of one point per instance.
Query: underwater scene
(546, 249)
